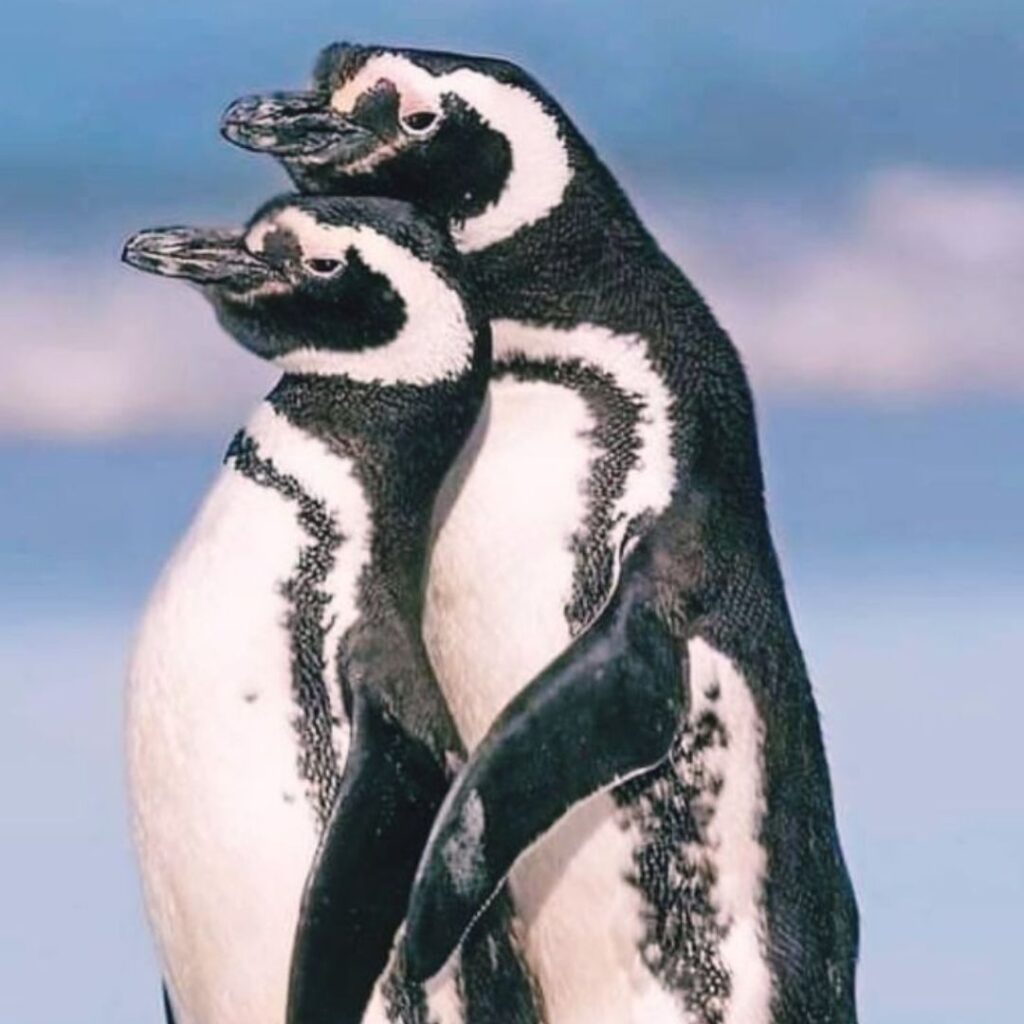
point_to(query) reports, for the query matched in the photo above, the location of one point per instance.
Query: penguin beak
(203, 255)
(296, 125)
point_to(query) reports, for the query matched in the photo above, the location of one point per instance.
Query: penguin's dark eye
(419, 121)
(323, 267)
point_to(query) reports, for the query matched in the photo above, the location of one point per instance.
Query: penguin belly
(500, 579)
(501, 567)
(224, 829)
(232, 766)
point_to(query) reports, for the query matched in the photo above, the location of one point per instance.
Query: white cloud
(917, 289)
(94, 353)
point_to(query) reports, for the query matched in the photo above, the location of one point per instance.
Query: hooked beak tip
(241, 118)
(291, 125)
(135, 254)
(203, 256)
(263, 122)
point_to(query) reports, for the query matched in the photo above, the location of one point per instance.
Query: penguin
(287, 744)
(606, 614)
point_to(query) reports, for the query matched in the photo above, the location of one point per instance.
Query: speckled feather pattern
(308, 604)
(717, 572)
(615, 443)
(301, 580)
(586, 261)
(411, 431)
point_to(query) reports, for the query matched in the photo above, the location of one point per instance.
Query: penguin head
(474, 140)
(363, 288)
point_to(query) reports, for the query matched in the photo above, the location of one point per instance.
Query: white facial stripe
(434, 343)
(315, 245)
(624, 357)
(257, 235)
(417, 88)
(540, 162)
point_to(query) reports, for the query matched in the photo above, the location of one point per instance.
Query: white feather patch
(501, 567)
(444, 1000)
(624, 357)
(583, 922)
(212, 760)
(224, 831)
(435, 341)
(540, 171)
(324, 475)
(733, 845)
(500, 576)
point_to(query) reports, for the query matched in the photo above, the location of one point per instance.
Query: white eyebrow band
(435, 342)
(540, 171)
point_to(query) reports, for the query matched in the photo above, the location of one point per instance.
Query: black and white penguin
(605, 611)
(287, 743)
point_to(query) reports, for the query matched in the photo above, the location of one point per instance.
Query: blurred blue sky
(845, 182)
(843, 179)
(741, 93)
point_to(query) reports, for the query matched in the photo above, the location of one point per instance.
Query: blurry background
(844, 179)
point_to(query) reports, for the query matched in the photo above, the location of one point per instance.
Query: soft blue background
(899, 519)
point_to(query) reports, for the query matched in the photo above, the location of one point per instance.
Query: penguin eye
(419, 121)
(323, 267)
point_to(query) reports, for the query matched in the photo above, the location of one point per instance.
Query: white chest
(502, 563)
(501, 577)
(501, 566)
(224, 824)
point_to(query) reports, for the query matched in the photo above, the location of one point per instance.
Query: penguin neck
(574, 265)
(399, 440)
(592, 263)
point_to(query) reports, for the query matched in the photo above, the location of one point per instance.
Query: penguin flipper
(357, 892)
(607, 708)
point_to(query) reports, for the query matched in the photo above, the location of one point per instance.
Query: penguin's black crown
(361, 287)
(448, 131)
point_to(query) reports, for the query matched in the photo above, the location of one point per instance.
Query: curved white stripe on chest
(733, 844)
(540, 171)
(624, 357)
(435, 340)
(324, 475)
(500, 576)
